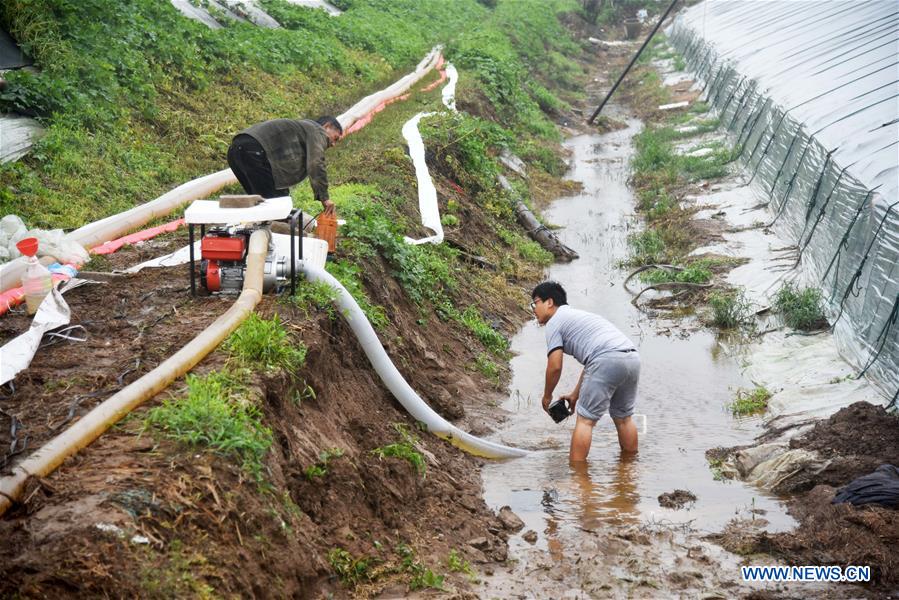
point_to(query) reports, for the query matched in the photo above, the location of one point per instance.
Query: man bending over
(611, 368)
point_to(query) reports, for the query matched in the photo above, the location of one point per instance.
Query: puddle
(686, 381)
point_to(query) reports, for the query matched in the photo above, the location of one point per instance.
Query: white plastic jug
(37, 281)
(37, 284)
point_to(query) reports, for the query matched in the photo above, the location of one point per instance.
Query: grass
(320, 468)
(730, 310)
(696, 272)
(801, 308)
(484, 365)
(404, 449)
(647, 248)
(216, 413)
(263, 343)
(750, 402)
(315, 295)
(492, 339)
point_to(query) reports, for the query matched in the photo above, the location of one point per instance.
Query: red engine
(223, 256)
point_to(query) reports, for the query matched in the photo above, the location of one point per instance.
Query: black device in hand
(558, 410)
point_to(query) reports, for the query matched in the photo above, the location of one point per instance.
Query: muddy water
(686, 381)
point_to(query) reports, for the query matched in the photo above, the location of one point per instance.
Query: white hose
(394, 381)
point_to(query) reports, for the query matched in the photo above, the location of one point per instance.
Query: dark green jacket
(295, 150)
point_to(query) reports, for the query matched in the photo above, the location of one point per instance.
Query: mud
(136, 515)
(676, 499)
(855, 440)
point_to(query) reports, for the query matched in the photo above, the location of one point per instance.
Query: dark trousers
(250, 165)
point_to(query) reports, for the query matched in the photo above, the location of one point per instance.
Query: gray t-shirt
(583, 335)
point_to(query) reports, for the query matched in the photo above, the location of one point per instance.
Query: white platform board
(209, 212)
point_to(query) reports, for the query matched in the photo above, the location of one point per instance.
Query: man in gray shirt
(269, 157)
(611, 368)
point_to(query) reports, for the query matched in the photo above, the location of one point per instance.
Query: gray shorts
(610, 384)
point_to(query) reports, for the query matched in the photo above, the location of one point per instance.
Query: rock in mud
(530, 536)
(676, 499)
(510, 520)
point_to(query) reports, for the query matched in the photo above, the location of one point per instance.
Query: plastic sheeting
(50, 242)
(18, 136)
(427, 193)
(16, 354)
(11, 56)
(810, 92)
(320, 4)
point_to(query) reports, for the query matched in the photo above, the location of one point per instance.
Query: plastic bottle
(326, 229)
(37, 281)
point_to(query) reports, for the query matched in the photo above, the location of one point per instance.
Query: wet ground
(686, 381)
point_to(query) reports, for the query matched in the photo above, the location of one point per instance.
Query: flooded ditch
(686, 381)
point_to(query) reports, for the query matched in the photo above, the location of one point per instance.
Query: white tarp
(16, 354)
(810, 92)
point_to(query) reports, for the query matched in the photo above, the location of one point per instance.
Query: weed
(486, 367)
(306, 392)
(730, 310)
(264, 343)
(457, 564)
(216, 413)
(316, 294)
(492, 339)
(404, 449)
(349, 569)
(696, 272)
(449, 220)
(320, 468)
(527, 249)
(801, 308)
(647, 248)
(421, 576)
(748, 402)
(348, 275)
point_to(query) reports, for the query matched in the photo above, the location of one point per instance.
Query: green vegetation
(490, 337)
(350, 569)
(263, 343)
(730, 310)
(696, 272)
(748, 402)
(320, 468)
(217, 413)
(457, 564)
(801, 308)
(404, 449)
(421, 577)
(157, 96)
(484, 365)
(317, 295)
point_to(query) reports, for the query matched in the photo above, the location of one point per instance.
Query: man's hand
(329, 208)
(547, 400)
(571, 397)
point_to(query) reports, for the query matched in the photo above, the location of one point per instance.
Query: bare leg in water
(582, 437)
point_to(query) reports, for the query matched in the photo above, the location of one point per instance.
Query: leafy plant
(801, 308)
(320, 468)
(486, 367)
(404, 449)
(421, 576)
(457, 564)
(749, 402)
(350, 569)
